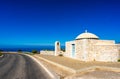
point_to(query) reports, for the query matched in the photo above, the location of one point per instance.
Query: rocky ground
(96, 75)
(77, 65)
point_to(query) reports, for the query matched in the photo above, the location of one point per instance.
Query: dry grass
(76, 64)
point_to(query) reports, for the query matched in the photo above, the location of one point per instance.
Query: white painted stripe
(51, 75)
(1, 56)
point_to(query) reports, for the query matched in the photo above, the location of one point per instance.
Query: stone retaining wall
(45, 52)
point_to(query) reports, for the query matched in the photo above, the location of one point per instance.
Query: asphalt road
(17, 66)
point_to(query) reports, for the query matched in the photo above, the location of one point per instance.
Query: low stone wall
(46, 52)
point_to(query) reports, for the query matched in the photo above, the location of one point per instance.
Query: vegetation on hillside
(118, 60)
(60, 54)
(63, 50)
(1, 52)
(34, 51)
(19, 51)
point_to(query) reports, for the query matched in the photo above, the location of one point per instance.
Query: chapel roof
(87, 35)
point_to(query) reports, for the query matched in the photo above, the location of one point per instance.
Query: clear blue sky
(42, 22)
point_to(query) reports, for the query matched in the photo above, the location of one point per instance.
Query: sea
(27, 48)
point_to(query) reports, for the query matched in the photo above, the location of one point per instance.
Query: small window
(57, 43)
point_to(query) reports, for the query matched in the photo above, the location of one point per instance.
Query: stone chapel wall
(106, 53)
(68, 48)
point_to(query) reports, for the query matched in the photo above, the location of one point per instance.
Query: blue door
(73, 50)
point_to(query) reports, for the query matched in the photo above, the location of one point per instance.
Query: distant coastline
(26, 48)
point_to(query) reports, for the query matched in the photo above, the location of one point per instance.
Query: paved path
(17, 66)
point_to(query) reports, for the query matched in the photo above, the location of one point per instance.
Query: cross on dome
(86, 35)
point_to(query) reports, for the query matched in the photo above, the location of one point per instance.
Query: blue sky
(42, 22)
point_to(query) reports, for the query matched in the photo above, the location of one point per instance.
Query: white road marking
(51, 75)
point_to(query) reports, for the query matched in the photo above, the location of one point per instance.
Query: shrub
(34, 51)
(19, 51)
(1, 54)
(60, 55)
(63, 50)
(118, 60)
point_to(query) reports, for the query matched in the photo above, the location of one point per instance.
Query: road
(18, 66)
